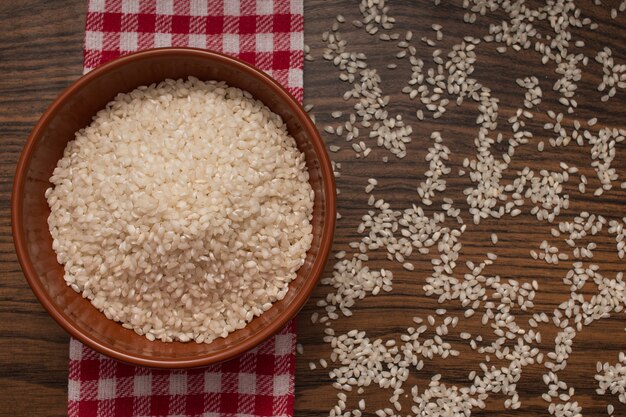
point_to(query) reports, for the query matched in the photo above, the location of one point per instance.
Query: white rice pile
(183, 211)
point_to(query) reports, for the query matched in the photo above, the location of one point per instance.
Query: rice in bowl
(182, 211)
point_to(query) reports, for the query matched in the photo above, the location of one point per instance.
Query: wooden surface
(41, 53)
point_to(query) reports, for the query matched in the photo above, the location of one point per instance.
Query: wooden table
(41, 53)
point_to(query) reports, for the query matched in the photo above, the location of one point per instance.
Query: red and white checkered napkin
(268, 34)
(257, 383)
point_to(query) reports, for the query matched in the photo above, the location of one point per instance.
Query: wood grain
(388, 315)
(41, 53)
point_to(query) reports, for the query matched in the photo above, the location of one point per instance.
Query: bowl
(73, 110)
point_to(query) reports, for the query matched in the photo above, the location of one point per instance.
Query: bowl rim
(326, 238)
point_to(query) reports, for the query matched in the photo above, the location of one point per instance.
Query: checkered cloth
(269, 35)
(257, 383)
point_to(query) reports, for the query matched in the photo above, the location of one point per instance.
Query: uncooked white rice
(182, 211)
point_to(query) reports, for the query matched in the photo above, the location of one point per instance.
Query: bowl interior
(74, 110)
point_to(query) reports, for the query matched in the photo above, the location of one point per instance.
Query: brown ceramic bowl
(74, 109)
